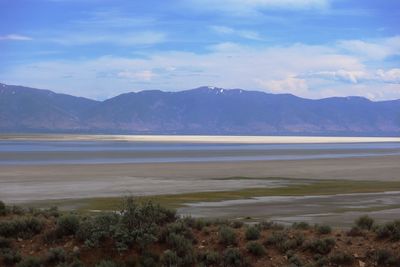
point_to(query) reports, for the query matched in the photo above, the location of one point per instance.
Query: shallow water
(338, 209)
(31, 152)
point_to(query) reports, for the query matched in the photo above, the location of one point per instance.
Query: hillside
(205, 110)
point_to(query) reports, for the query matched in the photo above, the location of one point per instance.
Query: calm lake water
(100, 152)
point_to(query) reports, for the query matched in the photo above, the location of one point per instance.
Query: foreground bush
(300, 225)
(140, 223)
(323, 229)
(21, 227)
(67, 225)
(255, 248)
(389, 230)
(365, 222)
(341, 258)
(210, 258)
(3, 209)
(252, 233)
(227, 236)
(55, 255)
(233, 258)
(95, 230)
(30, 262)
(169, 258)
(386, 258)
(11, 257)
(321, 246)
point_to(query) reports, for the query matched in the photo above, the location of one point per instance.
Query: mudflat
(33, 182)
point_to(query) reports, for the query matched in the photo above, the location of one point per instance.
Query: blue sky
(101, 48)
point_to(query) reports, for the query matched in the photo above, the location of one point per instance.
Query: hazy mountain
(205, 110)
(28, 109)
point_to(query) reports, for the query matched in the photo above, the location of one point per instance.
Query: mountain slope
(205, 110)
(28, 109)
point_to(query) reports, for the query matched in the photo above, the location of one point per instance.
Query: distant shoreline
(223, 139)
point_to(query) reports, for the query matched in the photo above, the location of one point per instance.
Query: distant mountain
(205, 110)
(26, 109)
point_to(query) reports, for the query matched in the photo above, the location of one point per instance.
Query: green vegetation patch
(302, 188)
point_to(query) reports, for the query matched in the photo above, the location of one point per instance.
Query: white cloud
(376, 49)
(360, 76)
(145, 75)
(252, 35)
(389, 76)
(305, 70)
(289, 84)
(338, 75)
(15, 37)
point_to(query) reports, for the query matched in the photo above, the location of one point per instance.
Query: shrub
(323, 229)
(291, 243)
(21, 227)
(210, 258)
(295, 261)
(321, 246)
(237, 224)
(17, 210)
(355, 231)
(4, 243)
(148, 259)
(179, 243)
(11, 257)
(385, 258)
(219, 222)
(227, 236)
(266, 225)
(341, 258)
(320, 260)
(143, 215)
(252, 233)
(365, 222)
(232, 258)
(169, 258)
(177, 228)
(300, 225)
(30, 262)
(389, 230)
(76, 263)
(140, 223)
(96, 229)
(3, 209)
(67, 225)
(276, 238)
(255, 248)
(107, 263)
(199, 224)
(183, 247)
(53, 211)
(55, 255)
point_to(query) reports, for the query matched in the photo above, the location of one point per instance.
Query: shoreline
(223, 139)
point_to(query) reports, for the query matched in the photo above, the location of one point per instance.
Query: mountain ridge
(203, 110)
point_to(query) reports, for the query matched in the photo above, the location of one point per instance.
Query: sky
(101, 48)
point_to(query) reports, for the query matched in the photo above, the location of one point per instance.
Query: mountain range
(204, 110)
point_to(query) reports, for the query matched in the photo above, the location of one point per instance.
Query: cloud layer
(306, 70)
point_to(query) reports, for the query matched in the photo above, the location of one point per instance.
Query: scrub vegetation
(143, 233)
